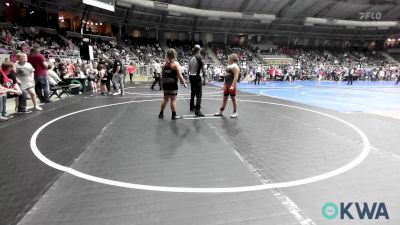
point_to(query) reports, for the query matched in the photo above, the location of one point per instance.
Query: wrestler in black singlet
(170, 79)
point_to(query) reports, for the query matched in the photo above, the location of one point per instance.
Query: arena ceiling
(289, 22)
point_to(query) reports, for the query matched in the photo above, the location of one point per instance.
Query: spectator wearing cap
(39, 63)
(196, 65)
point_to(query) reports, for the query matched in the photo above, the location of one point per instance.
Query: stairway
(75, 51)
(389, 57)
(212, 55)
(128, 49)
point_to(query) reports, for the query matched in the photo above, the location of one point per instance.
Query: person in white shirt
(350, 77)
(53, 77)
(381, 74)
(25, 75)
(217, 73)
(259, 72)
(156, 68)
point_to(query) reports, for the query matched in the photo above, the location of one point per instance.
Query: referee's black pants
(350, 80)
(156, 79)
(258, 78)
(196, 91)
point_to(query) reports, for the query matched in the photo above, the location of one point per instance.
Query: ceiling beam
(164, 15)
(286, 8)
(325, 10)
(197, 5)
(356, 14)
(242, 9)
(244, 5)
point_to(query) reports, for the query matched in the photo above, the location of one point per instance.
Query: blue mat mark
(360, 97)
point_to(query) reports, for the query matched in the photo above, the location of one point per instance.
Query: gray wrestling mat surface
(121, 145)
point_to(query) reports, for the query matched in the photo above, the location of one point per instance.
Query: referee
(196, 65)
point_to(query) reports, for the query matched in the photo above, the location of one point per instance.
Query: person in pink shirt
(131, 70)
(71, 68)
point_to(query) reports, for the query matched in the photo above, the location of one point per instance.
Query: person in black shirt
(350, 76)
(106, 80)
(196, 65)
(118, 76)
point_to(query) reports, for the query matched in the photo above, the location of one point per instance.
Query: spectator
(92, 75)
(104, 79)
(118, 75)
(7, 86)
(40, 65)
(53, 77)
(25, 75)
(131, 71)
(70, 67)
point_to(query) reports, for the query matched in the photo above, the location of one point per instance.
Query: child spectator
(25, 75)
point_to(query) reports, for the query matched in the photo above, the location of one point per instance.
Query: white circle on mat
(364, 153)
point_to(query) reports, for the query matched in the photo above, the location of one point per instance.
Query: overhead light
(398, 39)
(175, 13)
(124, 4)
(265, 21)
(7, 4)
(331, 20)
(101, 4)
(101, 24)
(161, 5)
(96, 24)
(91, 23)
(247, 15)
